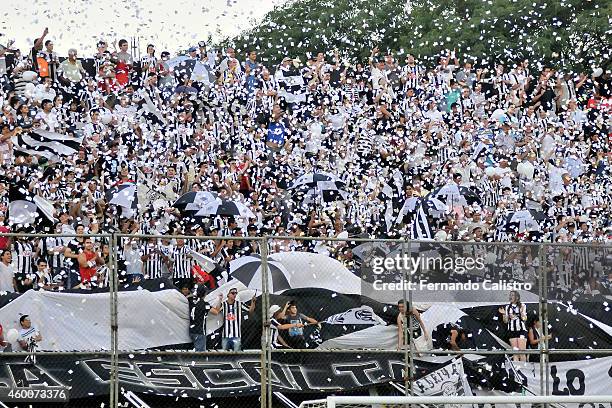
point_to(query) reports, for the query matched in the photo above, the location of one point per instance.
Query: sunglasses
(233, 293)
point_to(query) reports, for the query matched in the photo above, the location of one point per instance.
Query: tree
(307, 27)
(566, 33)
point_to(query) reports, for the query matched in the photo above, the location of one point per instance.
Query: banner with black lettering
(220, 376)
(582, 377)
(216, 376)
(449, 380)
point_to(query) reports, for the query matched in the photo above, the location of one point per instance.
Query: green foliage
(571, 33)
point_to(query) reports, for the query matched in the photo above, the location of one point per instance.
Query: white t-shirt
(27, 334)
(7, 272)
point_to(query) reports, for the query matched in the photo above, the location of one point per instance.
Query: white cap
(273, 309)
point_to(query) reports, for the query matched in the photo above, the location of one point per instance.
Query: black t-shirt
(33, 57)
(548, 99)
(20, 279)
(198, 310)
(76, 247)
(604, 86)
(335, 76)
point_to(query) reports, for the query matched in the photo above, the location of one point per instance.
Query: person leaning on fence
(232, 310)
(198, 310)
(535, 338)
(451, 336)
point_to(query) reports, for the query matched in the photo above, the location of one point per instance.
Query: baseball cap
(192, 49)
(273, 309)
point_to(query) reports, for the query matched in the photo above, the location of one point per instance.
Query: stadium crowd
(395, 148)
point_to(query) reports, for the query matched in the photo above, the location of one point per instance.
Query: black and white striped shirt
(23, 253)
(154, 263)
(47, 250)
(232, 318)
(412, 74)
(515, 315)
(181, 262)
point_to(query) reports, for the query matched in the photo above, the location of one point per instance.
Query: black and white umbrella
(524, 220)
(312, 179)
(326, 191)
(124, 196)
(454, 195)
(249, 269)
(324, 187)
(194, 201)
(225, 207)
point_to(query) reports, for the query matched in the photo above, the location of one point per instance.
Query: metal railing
(408, 354)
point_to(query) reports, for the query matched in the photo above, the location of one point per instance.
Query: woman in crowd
(515, 315)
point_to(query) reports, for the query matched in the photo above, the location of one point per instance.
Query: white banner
(446, 381)
(578, 377)
(81, 321)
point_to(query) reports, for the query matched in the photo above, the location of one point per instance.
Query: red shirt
(86, 272)
(4, 240)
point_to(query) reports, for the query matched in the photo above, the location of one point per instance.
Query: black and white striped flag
(124, 196)
(28, 210)
(51, 145)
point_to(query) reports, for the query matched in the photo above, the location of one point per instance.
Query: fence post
(412, 346)
(541, 300)
(113, 287)
(266, 394)
(544, 320)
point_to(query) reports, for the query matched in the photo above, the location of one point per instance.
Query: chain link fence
(288, 319)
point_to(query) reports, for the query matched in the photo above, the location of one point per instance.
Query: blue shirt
(276, 133)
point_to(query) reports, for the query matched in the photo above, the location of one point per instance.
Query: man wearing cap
(198, 310)
(276, 314)
(232, 311)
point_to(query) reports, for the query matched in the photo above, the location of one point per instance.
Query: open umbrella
(248, 270)
(324, 187)
(455, 195)
(194, 201)
(326, 191)
(225, 207)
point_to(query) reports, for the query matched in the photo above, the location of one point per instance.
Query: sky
(170, 25)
